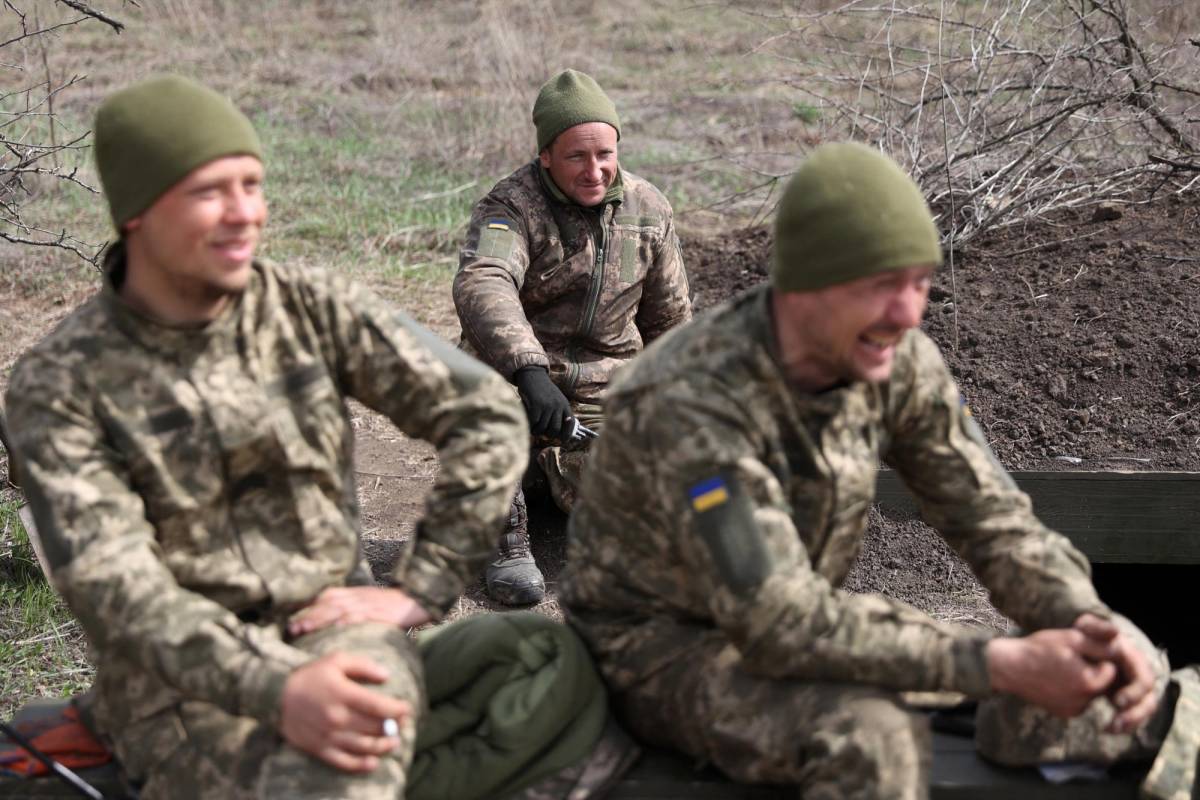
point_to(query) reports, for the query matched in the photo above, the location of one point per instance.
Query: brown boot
(513, 578)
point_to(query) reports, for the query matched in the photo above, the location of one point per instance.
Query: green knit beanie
(152, 134)
(847, 213)
(568, 99)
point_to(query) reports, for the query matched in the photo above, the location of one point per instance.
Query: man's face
(582, 160)
(849, 331)
(199, 237)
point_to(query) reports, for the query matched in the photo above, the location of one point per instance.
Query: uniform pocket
(634, 251)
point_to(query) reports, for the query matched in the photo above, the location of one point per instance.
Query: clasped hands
(1063, 670)
(327, 709)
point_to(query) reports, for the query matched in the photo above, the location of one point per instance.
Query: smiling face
(849, 331)
(191, 250)
(582, 160)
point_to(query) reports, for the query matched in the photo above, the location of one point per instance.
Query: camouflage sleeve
(741, 550)
(435, 392)
(105, 560)
(1035, 576)
(666, 300)
(487, 289)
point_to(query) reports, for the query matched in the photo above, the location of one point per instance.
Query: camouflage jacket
(191, 485)
(721, 502)
(544, 281)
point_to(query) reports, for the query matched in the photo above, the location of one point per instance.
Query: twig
(389, 475)
(448, 193)
(1182, 165)
(949, 178)
(83, 8)
(1045, 245)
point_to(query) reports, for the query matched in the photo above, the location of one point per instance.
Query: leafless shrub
(35, 152)
(1004, 111)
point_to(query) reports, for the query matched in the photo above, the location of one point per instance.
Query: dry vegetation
(385, 121)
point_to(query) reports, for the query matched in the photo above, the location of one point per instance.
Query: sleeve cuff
(433, 590)
(261, 690)
(968, 658)
(522, 360)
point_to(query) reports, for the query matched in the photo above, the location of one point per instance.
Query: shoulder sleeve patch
(724, 519)
(496, 239)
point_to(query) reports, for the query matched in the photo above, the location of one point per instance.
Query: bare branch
(38, 157)
(84, 8)
(1023, 108)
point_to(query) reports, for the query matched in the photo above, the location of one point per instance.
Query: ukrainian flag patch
(498, 225)
(709, 494)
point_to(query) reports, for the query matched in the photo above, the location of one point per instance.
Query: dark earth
(1074, 341)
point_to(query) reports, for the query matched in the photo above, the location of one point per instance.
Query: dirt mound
(1075, 343)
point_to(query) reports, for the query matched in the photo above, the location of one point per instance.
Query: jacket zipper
(593, 301)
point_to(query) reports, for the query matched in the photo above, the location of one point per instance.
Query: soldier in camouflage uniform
(728, 498)
(186, 448)
(571, 266)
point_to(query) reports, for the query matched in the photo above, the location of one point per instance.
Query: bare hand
(1133, 690)
(327, 713)
(354, 604)
(1059, 669)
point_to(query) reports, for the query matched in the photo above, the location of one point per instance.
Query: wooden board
(957, 774)
(1113, 517)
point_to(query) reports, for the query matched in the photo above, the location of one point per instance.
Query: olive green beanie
(152, 134)
(847, 213)
(568, 99)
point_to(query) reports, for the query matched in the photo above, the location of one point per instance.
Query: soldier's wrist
(1003, 654)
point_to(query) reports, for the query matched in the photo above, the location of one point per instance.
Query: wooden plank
(1113, 517)
(957, 774)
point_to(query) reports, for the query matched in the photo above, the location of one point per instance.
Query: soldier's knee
(386, 645)
(871, 746)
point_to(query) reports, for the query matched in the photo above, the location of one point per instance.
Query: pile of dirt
(1075, 343)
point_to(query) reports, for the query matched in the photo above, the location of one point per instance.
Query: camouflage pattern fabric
(579, 291)
(1173, 774)
(723, 503)
(835, 741)
(591, 777)
(193, 487)
(196, 751)
(563, 465)
(1012, 732)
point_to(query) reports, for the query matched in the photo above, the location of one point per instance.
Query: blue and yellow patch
(498, 225)
(709, 494)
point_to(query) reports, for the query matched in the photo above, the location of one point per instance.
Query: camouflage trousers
(563, 465)
(196, 751)
(833, 741)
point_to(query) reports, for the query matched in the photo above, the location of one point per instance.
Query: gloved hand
(547, 407)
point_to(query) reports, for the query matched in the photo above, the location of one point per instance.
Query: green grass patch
(42, 648)
(351, 199)
(806, 112)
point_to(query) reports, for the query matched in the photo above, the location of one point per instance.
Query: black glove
(548, 410)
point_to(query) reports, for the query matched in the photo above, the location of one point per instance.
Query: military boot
(513, 578)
